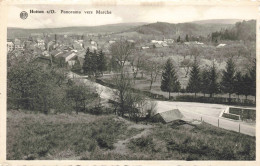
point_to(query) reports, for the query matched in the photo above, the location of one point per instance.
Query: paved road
(209, 113)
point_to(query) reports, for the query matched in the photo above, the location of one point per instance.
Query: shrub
(142, 144)
(244, 113)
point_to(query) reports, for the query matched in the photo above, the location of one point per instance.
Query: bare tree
(123, 84)
(152, 108)
(121, 50)
(137, 61)
(128, 103)
(186, 64)
(153, 67)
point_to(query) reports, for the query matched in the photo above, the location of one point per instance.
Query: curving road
(209, 113)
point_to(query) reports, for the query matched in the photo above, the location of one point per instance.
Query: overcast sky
(124, 14)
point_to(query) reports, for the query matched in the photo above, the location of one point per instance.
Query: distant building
(131, 41)
(77, 46)
(145, 47)
(157, 41)
(199, 43)
(80, 41)
(221, 45)
(10, 46)
(51, 45)
(55, 53)
(91, 47)
(111, 41)
(67, 56)
(40, 42)
(93, 43)
(169, 41)
(18, 44)
(157, 45)
(165, 45)
(45, 53)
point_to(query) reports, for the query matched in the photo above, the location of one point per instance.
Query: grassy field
(144, 85)
(108, 137)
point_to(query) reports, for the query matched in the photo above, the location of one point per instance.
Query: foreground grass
(39, 136)
(190, 142)
(90, 137)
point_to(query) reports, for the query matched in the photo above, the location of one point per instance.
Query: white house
(40, 42)
(18, 44)
(111, 41)
(221, 45)
(145, 47)
(157, 41)
(168, 41)
(10, 46)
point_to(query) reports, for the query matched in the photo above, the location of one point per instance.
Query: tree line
(44, 88)
(244, 30)
(94, 63)
(206, 81)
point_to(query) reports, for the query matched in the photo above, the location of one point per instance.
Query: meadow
(32, 135)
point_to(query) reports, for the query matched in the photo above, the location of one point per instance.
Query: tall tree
(121, 51)
(94, 63)
(86, 65)
(138, 62)
(187, 37)
(213, 84)
(123, 85)
(246, 85)
(179, 39)
(153, 68)
(102, 64)
(228, 78)
(78, 94)
(238, 84)
(194, 84)
(252, 74)
(170, 81)
(205, 81)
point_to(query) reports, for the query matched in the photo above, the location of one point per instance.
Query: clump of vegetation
(44, 88)
(203, 142)
(142, 144)
(44, 139)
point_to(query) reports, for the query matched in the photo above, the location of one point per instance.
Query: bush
(105, 141)
(244, 113)
(142, 144)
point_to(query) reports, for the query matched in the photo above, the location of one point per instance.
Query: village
(162, 96)
(68, 48)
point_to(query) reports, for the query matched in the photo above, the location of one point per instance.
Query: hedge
(244, 113)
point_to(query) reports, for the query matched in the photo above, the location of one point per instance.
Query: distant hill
(197, 28)
(163, 28)
(218, 21)
(110, 28)
(244, 30)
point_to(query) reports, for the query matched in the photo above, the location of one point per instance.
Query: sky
(123, 14)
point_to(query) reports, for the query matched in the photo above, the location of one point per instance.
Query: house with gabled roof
(168, 116)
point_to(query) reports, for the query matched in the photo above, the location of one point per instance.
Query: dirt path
(120, 146)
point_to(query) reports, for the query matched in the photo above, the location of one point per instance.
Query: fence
(223, 123)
